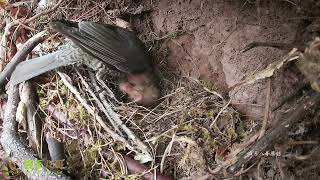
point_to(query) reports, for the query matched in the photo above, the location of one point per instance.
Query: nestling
(107, 49)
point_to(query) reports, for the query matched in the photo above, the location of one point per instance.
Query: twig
(104, 89)
(10, 140)
(138, 146)
(243, 171)
(62, 119)
(59, 116)
(28, 98)
(281, 46)
(55, 148)
(91, 110)
(280, 168)
(20, 56)
(134, 139)
(17, 22)
(134, 167)
(99, 103)
(43, 13)
(15, 149)
(298, 112)
(219, 113)
(19, 4)
(3, 46)
(167, 152)
(266, 110)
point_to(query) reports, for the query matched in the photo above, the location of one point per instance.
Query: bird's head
(141, 88)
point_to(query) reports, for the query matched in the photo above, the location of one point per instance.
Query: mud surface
(204, 39)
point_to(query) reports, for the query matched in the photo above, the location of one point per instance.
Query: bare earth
(213, 35)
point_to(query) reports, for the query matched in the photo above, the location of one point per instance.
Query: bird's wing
(34, 67)
(111, 44)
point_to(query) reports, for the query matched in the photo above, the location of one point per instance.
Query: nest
(193, 131)
(191, 126)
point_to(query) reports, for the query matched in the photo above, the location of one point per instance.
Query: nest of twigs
(93, 132)
(192, 125)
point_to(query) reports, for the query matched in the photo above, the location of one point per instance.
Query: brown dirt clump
(214, 33)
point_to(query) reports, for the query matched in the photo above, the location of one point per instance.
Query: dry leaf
(3, 3)
(309, 64)
(269, 71)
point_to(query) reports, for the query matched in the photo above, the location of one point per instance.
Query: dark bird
(109, 50)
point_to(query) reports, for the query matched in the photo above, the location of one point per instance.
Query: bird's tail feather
(34, 67)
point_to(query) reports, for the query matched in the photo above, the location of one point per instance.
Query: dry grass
(192, 127)
(190, 130)
(186, 112)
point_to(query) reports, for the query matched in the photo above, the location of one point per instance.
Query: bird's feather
(113, 45)
(34, 67)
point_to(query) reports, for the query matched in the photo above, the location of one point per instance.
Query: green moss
(186, 127)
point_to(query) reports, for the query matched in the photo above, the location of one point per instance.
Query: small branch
(59, 116)
(91, 111)
(62, 119)
(3, 46)
(278, 132)
(13, 147)
(19, 4)
(115, 118)
(20, 56)
(43, 13)
(219, 113)
(166, 152)
(134, 167)
(104, 89)
(10, 140)
(281, 46)
(55, 147)
(28, 98)
(15, 23)
(266, 110)
(99, 103)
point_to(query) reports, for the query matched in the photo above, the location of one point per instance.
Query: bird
(107, 49)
